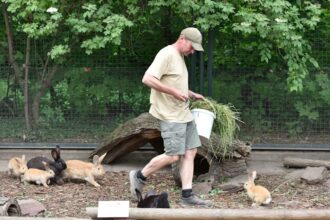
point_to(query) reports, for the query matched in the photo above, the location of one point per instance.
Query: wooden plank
(301, 163)
(222, 214)
(39, 218)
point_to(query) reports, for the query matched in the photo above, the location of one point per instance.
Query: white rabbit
(77, 169)
(38, 176)
(258, 194)
(17, 166)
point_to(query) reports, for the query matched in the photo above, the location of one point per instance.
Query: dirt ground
(72, 198)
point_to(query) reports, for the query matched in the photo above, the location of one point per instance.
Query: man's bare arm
(154, 83)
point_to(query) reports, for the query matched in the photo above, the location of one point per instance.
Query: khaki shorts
(179, 137)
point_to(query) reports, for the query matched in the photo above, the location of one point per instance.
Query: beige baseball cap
(195, 36)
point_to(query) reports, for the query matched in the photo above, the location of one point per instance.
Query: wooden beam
(301, 163)
(222, 214)
(39, 218)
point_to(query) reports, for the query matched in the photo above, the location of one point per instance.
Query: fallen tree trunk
(302, 163)
(137, 132)
(144, 129)
(9, 207)
(223, 214)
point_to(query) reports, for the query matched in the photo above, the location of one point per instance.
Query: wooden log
(40, 218)
(222, 214)
(143, 129)
(301, 163)
(9, 207)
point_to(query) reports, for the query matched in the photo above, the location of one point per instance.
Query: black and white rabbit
(58, 165)
(152, 200)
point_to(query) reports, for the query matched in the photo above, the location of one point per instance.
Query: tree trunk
(17, 71)
(143, 129)
(166, 24)
(26, 84)
(11, 52)
(45, 84)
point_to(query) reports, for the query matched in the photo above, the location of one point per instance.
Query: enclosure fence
(90, 95)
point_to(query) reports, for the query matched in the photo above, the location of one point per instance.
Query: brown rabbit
(38, 176)
(17, 166)
(77, 169)
(258, 194)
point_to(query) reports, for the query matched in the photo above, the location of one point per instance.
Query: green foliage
(91, 25)
(315, 98)
(213, 13)
(11, 128)
(307, 110)
(98, 20)
(266, 105)
(50, 117)
(215, 192)
(258, 44)
(138, 99)
(3, 89)
(282, 25)
(101, 90)
(58, 51)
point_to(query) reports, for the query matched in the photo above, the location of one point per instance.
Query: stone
(30, 207)
(314, 175)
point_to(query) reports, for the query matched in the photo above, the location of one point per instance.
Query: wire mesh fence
(88, 104)
(90, 95)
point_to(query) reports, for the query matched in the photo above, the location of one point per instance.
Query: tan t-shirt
(170, 68)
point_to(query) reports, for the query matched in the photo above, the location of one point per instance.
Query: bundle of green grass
(225, 123)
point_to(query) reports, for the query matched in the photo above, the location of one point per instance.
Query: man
(167, 77)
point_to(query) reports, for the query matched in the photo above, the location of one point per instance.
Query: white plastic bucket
(204, 121)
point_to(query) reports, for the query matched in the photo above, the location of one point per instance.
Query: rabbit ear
(102, 157)
(58, 149)
(55, 154)
(18, 161)
(250, 178)
(96, 159)
(23, 157)
(163, 201)
(138, 194)
(254, 175)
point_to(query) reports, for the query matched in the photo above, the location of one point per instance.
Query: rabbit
(58, 165)
(17, 166)
(258, 194)
(151, 200)
(77, 169)
(39, 176)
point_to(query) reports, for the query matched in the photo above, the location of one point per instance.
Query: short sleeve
(159, 66)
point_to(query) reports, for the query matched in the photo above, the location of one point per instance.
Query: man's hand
(194, 95)
(180, 96)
